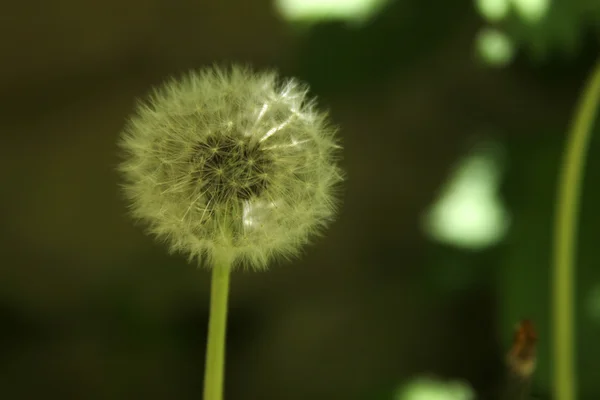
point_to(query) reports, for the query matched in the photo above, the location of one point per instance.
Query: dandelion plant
(230, 167)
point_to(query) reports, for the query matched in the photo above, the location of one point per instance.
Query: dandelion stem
(569, 190)
(217, 328)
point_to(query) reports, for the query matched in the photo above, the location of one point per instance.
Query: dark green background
(91, 308)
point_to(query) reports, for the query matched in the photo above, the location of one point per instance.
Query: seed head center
(228, 168)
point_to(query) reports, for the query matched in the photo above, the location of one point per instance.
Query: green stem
(569, 190)
(217, 328)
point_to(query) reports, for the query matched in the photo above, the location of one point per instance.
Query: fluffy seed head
(231, 163)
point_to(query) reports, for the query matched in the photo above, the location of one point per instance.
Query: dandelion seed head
(230, 161)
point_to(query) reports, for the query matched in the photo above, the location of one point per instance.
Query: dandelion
(230, 167)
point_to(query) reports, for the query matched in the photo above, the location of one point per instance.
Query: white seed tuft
(231, 163)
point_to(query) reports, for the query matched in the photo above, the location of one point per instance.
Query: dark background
(91, 308)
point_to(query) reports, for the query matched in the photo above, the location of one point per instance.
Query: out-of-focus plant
(565, 239)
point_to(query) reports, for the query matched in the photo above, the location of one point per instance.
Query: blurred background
(452, 114)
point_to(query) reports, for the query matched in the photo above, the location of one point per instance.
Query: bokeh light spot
(493, 10)
(430, 389)
(532, 11)
(318, 10)
(494, 47)
(469, 213)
